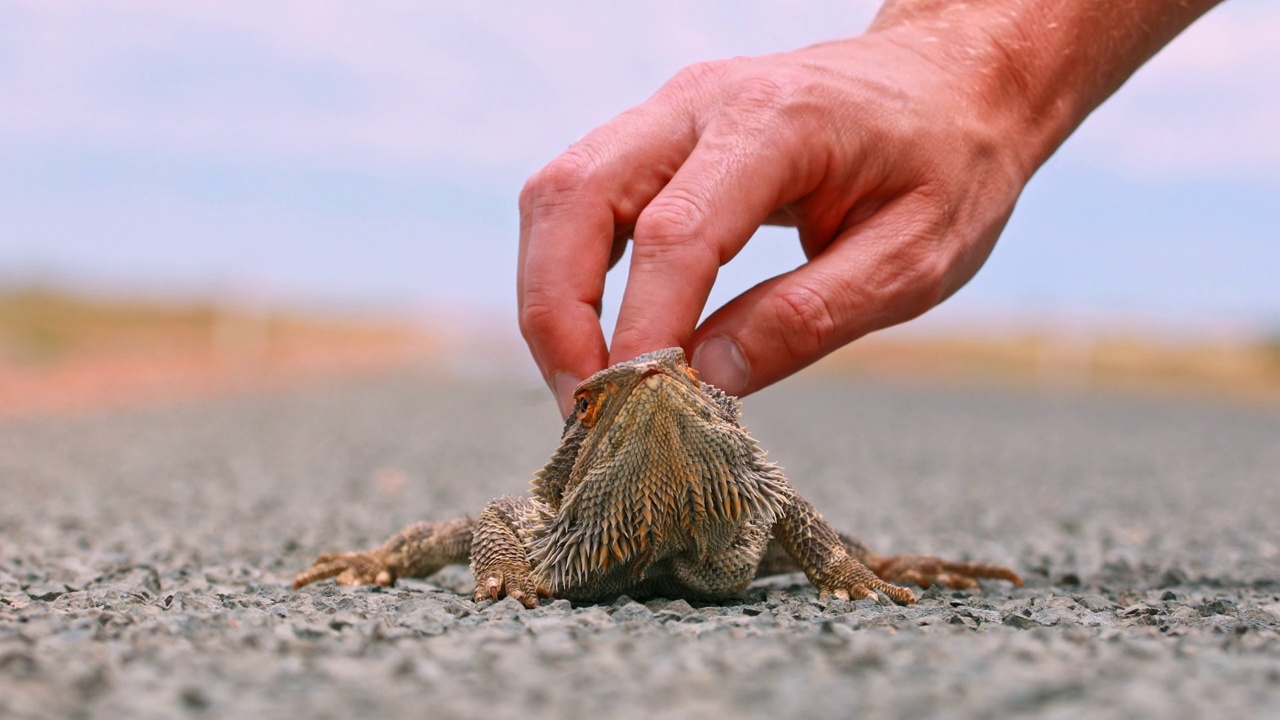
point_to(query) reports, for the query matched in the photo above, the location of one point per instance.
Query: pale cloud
(1207, 106)
(373, 150)
(490, 90)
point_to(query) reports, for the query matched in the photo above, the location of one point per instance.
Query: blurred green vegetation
(39, 325)
(42, 326)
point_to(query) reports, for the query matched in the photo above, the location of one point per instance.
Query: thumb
(882, 272)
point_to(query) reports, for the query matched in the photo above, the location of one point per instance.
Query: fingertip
(567, 345)
(562, 385)
(720, 361)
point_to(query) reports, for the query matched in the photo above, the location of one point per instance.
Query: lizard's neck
(549, 483)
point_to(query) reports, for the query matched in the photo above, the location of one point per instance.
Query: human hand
(898, 156)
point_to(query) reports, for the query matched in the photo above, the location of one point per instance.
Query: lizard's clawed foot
(511, 580)
(353, 568)
(851, 580)
(924, 570)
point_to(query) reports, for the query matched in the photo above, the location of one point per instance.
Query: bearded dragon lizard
(656, 490)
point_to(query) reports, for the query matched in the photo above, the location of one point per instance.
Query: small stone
(675, 609)
(934, 592)
(1021, 622)
(632, 611)
(1218, 606)
(47, 592)
(194, 697)
(1138, 610)
(1096, 603)
(866, 603)
(506, 608)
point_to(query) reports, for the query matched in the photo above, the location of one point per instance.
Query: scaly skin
(655, 490)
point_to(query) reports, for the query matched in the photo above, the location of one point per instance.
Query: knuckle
(670, 225)
(640, 336)
(568, 173)
(694, 78)
(764, 92)
(806, 319)
(670, 219)
(781, 105)
(537, 314)
(913, 279)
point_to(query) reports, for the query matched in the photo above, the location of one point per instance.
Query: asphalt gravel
(145, 561)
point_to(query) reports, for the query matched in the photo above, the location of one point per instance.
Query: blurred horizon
(366, 160)
(67, 354)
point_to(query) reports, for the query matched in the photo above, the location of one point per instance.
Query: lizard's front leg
(499, 555)
(819, 551)
(417, 551)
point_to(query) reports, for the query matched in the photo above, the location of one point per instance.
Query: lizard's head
(633, 414)
(653, 383)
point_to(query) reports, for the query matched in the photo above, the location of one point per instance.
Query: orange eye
(585, 409)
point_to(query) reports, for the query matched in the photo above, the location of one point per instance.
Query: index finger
(568, 213)
(742, 170)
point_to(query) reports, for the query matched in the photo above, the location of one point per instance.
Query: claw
(900, 595)
(510, 580)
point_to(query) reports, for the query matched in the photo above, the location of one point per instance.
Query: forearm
(1040, 65)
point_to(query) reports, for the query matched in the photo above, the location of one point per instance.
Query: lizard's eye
(585, 408)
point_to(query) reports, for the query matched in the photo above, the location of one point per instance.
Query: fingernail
(720, 362)
(563, 384)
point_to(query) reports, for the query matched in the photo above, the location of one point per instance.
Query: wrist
(1036, 69)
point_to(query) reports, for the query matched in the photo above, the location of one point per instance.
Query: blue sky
(369, 155)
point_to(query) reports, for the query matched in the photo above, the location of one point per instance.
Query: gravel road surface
(145, 558)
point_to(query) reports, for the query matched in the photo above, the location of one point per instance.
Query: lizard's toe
(955, 581)
(925, 570)
(354, 568)
(514, 583)
(853, 580)
(858, 592)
